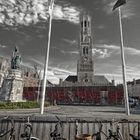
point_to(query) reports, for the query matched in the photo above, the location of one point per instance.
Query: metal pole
(46, 60)
(123, 66)
(38, 91)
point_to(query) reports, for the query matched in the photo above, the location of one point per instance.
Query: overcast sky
(25, 23)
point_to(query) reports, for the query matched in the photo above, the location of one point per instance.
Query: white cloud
(116, 49)
(36, 61)
(3, 46)
(101, 27)
(100, 53)
(72, 42)
(30, 12)
(68, 13)
(106, 46)
(59, 71)
(55, 73)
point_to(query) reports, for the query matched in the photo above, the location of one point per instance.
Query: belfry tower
(85, 65)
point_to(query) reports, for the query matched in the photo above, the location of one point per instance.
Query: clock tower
(85, 65)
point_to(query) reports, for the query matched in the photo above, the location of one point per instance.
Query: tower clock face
(85, 58)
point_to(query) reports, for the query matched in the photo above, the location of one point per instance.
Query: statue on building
(16, 59)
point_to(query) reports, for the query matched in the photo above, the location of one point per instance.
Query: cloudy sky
(25, 23)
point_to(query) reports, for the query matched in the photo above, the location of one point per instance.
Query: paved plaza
(94, 112)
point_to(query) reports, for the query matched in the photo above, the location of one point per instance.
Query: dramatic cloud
(70, 52)
(23, 22)
(69, 13)
(26, 12)
(107, 49)
(127, 9)
(100, 53)
(55, 73)
(72, 42)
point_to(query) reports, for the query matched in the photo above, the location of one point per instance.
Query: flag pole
(43, 91)
(123, 66)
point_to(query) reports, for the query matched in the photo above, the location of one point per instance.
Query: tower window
(85, 23)
(82, 24)
(86, 50)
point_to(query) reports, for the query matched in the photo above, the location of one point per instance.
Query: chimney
(113, 82)
(60, 81)
(134, 81)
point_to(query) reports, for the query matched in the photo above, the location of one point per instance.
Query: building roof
(71, 78)
(49, 84)
(134, 82)
(101, 80)
(98, 79)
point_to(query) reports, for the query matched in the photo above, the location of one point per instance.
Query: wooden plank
(93, 128)
(34, 132)
(131, 128)
(72, 131)
(69, 130)
(21, 131)
(124, 131)
(85, 131)
(40, 131)
(17, 130)
(104, 130)
(139, 129)
(65, 130)
(90, 128)
(80, 128)
(46, 130)
(43, 136)
(135, 129)
(87, 128)
(7, 126)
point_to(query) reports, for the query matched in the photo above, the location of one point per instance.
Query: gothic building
(85, 65)
(31, 77)
(134, 88)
